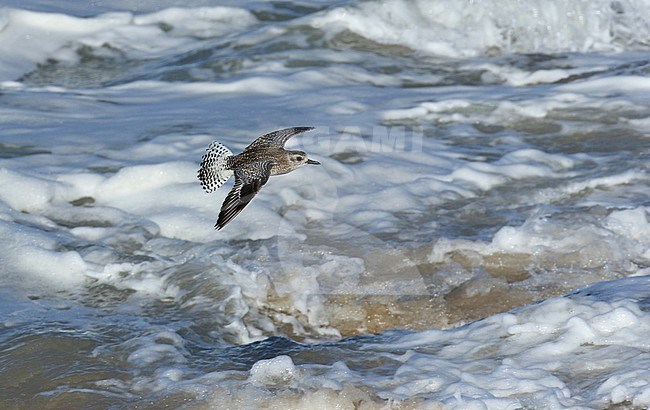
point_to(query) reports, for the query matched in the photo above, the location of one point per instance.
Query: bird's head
(299, 158)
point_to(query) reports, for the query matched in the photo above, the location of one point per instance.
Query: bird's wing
(249, 179)
(276, 139)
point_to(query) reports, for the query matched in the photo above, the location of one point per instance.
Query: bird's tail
(214, 170)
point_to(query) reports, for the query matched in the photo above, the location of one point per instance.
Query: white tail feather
(214, 170)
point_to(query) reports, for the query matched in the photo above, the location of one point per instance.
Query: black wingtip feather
(277, 138)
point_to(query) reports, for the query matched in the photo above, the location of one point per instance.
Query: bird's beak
(313, 162)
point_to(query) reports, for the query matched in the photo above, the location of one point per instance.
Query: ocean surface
(477, 236)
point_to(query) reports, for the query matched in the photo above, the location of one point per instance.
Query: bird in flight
(252, 168)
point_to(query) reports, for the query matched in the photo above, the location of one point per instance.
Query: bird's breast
(279, 169)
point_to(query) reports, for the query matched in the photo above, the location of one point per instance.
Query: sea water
(476, 237)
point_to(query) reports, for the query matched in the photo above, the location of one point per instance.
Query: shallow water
(473, 162)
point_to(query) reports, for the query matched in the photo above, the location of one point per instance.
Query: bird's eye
(298, 158)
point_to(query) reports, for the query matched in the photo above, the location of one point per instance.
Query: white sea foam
(31, 260)
(534, 356)
(440, 28)
(591, 243)
(28, 38)
(278, 371)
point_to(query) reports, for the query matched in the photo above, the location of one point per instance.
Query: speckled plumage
(214, 170)
(252, 168)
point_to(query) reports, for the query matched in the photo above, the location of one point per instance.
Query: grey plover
(264, 157)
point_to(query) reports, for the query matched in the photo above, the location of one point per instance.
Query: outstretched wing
(248, 182)
(276, 139)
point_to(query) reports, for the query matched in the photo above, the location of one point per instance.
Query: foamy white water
(476, 158)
